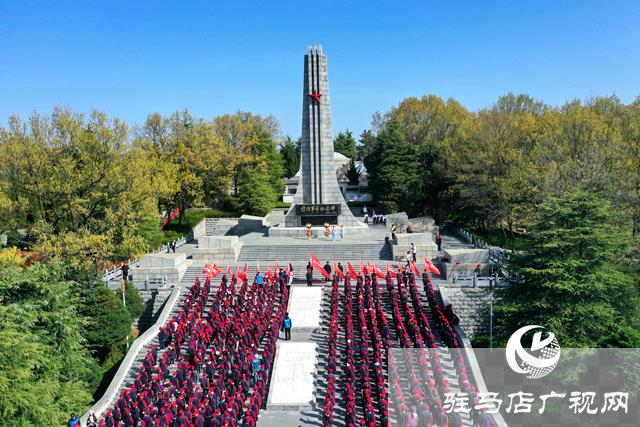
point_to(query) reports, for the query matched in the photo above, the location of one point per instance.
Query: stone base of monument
(222, 249)
(156, 267)
(318, 231)
(292, 383)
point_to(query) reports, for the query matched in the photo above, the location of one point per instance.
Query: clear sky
(130, 58)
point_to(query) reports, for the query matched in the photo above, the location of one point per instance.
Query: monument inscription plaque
(318, 210)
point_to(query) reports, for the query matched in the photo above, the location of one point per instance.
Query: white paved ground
(292, 381)
(304, 307)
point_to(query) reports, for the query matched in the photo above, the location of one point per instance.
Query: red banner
(378, 272)
(351, 271)
(390, 270)
(316, 264)
(400, 267)
(431, 266)
(413, 267)
(338, 271)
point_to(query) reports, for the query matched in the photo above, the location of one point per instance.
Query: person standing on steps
(286, 324)
(413, 251)
(255, 367)
(342, 232)
(309, 276)
(438, 239)
(125, 271)
(327, 268)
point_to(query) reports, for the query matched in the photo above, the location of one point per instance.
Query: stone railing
(127, 363)
(476, 372)
(497, 255)
(116, 273)
(465, 343)
(475, 281)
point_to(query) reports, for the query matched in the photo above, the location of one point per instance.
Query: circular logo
(542, 358)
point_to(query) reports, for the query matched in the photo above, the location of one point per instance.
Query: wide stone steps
(331, 252)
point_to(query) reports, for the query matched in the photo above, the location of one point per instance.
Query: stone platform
(304, 307)
(292, 383)
(301, 232)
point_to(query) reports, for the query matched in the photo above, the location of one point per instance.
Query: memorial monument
(318, 199)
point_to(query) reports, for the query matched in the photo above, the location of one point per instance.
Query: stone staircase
(154, 300)
(329, 251)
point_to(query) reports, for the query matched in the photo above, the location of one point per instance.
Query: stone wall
(154, 301)
(160, 266)
(471, 305)
(224, 249)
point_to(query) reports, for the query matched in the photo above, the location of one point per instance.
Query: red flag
(363, 268)
(338, 271)
(174, 213)
(431, 266)
(370, 268)
(400, 267)
(378, 272)
(390, 270)
(229, 272)
(257, 267)
(207, 269)
(216, 269)
(277, 268)
(413, 268)
(269, 275)
(316, 264)
(314, 258)
(351, 271)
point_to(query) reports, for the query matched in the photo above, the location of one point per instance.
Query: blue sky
(132, 58)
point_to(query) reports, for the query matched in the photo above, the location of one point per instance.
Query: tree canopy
(46, 371)
(572, 276)
(345, 144)
(491, 168)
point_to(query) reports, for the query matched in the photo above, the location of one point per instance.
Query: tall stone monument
(318, 199)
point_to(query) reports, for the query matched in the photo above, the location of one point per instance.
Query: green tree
(135, 303)
(103, 306)
(572, 280)
(256, 195)
(46, 371)
(345, 144)
(393, 185)
(353, 175)
(72, 174)
(290, 153)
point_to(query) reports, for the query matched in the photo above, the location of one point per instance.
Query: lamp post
(124, 303)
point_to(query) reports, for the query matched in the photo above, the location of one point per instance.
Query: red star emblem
(316, 96)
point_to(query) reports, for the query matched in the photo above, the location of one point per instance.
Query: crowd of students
(421, 382)
(208, 369)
